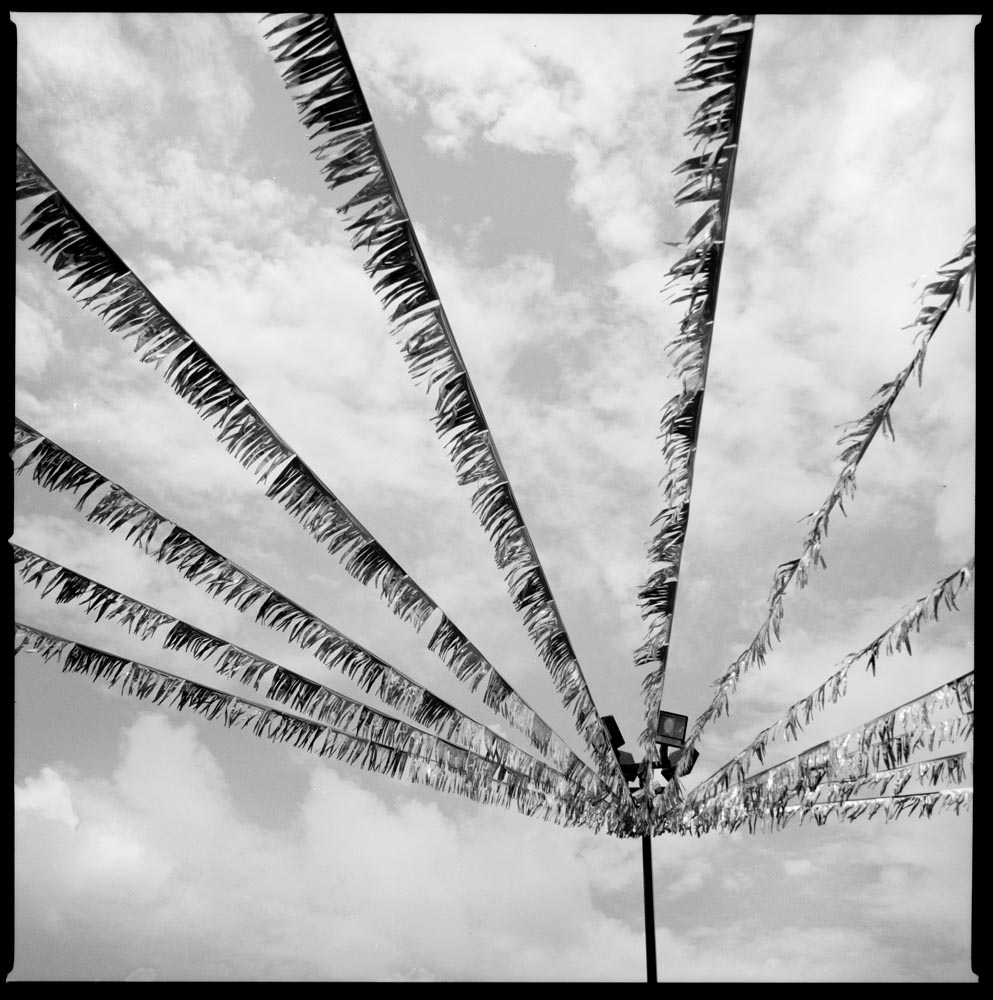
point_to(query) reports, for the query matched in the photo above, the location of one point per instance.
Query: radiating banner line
(286, 686)
(55, 469)
(719, 58)
(887, 741)
(891, 640)
(314, 63)
(947, 289)
(64, 239)
(397, 750)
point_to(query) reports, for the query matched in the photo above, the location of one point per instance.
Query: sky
(535, 155)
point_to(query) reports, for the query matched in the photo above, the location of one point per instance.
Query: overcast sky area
(535, 155)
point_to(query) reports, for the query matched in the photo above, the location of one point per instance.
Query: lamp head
(671, 730)
(613, 731)
(628, 766)
(671, 758)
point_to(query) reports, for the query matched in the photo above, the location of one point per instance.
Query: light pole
(646, 864)
(670, 732)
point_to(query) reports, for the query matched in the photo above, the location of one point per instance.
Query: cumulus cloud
(186, 854)
(342, 889)
(45, 797)
(39, 343)
(539, 84)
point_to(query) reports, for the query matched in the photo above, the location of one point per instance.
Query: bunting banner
(939, 296)
(287, 687)
(313, 61)
(365, 738)
(752, 811)
(74, 250)
(924, 804)
(224, 580)
(892, 640)
(854, 758)
(720, 49)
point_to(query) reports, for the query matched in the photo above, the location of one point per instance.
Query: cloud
(185, 852)
(37, 343)
(539, 85)
(954, 508)
(57, 56)
(161, 862)
(46, 797)
(117, 60)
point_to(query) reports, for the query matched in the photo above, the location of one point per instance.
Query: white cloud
(37, 343)
(242, 859)
(47, 797)
(955, 509)
(64, 52)
(540, 84)
(798, 866)
(318, 896)
(68, 53)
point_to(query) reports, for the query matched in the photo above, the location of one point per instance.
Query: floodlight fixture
(671, 731)
(613, 731)
(671, 758)
(629, 768)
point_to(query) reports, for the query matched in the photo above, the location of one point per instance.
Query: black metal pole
(646, 860)
(646, 865)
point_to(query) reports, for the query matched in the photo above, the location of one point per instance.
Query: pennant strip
(719, 57)
(892, 640)
(886, 742)
(733, 817)
(223, 579)
(102, 282)
(946, 289)
(286, 687)
(372, 742)
(313, 61)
